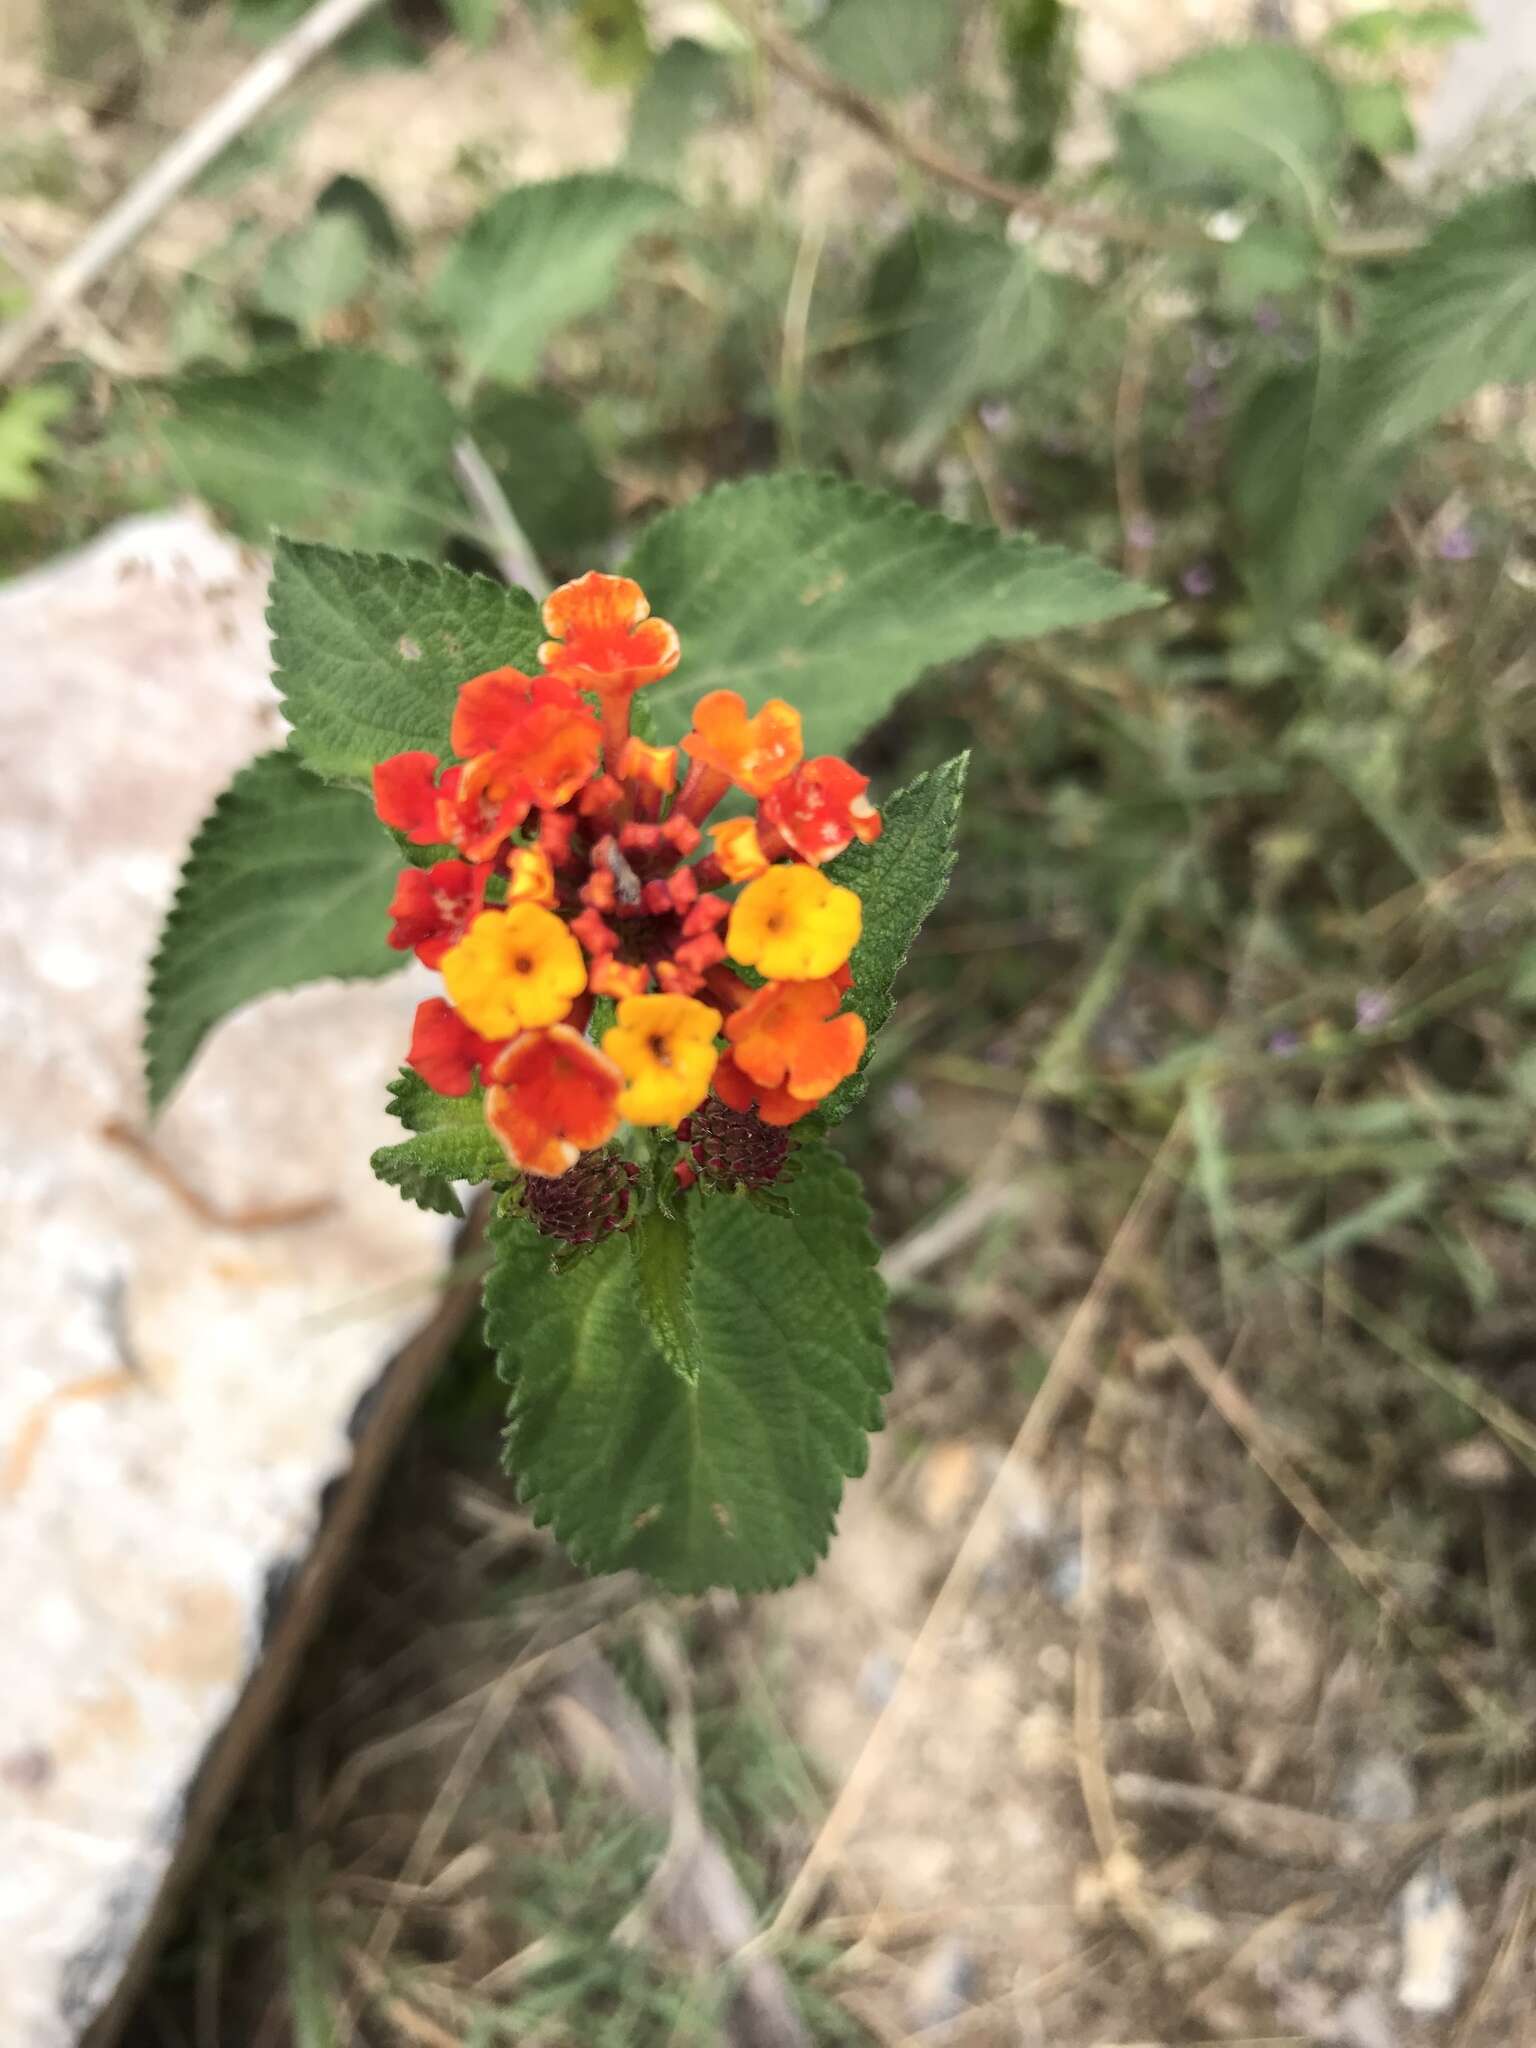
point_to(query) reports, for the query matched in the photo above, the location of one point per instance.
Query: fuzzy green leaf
(732, 1479)
(886, 47)
(324, 442)
(1458, 314)
(1303, 495)
(26, 439)
(663, 1248)
(900, 877)
(1243, 119)
(963, 315)
(315, 268)
(451, 1141)
(286, 882)
(537, 258)
(839, 598)
(369, 652)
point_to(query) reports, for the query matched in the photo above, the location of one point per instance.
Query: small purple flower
(1373, 1007)
(1140, 531)
(995, 414)
(1458, 545)
(1283, 1043)
(1198, 580)
(1267, 317)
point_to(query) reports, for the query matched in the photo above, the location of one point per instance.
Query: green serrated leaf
(1304, 499)
(1456, 315)
(839, 598)
(610, 42)
(687, 86)
(964, 315)
(26, 439)
(476, 20)
(900, 877)
(315, 269)
(451, 1141)
(535, 443)
(1247, 119)
(369, 652)
(1271, 260)
(732, 1479)
(357, 200)
(1376, 32)
(325, 442)
(1378, 116)
(662, 1244)
(537, 258)
(286, 882)
(886, 47)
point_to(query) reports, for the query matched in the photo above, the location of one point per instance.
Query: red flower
(481, 805)
(603, 637)
(537, 726)
(444, 1050)
(432, 907)
(820, 809)
(552, 1097)
(405, 796)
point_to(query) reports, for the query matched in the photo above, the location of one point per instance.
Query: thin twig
(515, 555)
(704, 1910)
(1066, 1372)
(1240, 1415)
(792, 58)
(170, 175)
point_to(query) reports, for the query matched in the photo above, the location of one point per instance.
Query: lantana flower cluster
(585, 865)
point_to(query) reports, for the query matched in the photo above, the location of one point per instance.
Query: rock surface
(175, 1392)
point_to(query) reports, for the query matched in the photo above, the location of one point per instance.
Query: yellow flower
(664, 1046)
(514, 970)
(738, 849)
(530, 878)
(792, 924)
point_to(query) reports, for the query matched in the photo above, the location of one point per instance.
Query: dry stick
(1061, 1381)
(515, 555)
(704, 1910)
(796, 62)
(1244, 1420)
(170, 175)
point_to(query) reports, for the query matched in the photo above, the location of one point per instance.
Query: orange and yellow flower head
(576, 865)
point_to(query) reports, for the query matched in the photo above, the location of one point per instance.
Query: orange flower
(821, 809)
(653, 767)
(551, 1097)
(739, 850)
(602, 635)
(445, 1051)
(773, 1105)
(789, 1037)
(537, 727)
(754, 752)
(792, 924)
(665, 1047)
(514, 970)
(480, 806)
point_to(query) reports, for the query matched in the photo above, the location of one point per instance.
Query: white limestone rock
(174, 1396)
